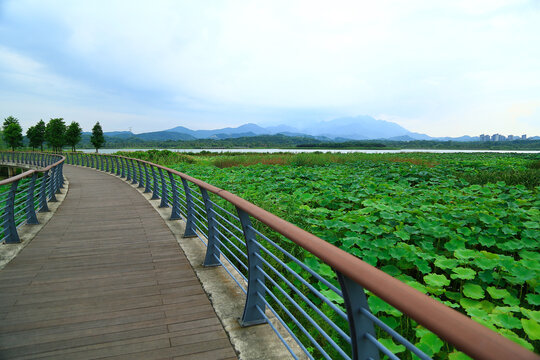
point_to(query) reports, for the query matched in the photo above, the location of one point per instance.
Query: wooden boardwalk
(105, 278)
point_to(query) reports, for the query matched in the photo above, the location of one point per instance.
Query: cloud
(409, 60)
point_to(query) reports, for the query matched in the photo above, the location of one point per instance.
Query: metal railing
(329, 320)
(24, 194)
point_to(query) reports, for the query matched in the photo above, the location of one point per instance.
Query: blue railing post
(43, 207)
(106, 163)
(212, 247)
(134, 171)
(10, 228)
(190, 212)
(164, 201)
(147, 179)
(360, 326)
(255, 292)
(175, 212)
(52, 186)
(59, 178)
(30, 210)
(117, 166)
(128, 170)
(155, 187)
(122, 168)
(141, 177)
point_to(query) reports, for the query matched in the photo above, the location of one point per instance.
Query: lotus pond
(463, 228)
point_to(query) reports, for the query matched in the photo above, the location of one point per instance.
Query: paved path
(105, 278)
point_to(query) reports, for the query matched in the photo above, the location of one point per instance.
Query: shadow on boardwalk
(105, 278)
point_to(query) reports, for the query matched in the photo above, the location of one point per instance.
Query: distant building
(523, 137)
(510, 137)
(484, 137)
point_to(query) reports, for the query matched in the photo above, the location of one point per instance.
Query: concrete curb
(28, 232)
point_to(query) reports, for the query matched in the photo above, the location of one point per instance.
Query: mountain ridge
(362, 127)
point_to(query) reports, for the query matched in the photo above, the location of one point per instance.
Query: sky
(442, 68)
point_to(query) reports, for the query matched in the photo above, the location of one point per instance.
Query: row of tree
(55, 133)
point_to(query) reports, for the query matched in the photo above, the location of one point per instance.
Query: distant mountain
(164, 135)
(253, 129)
(338, 130)
(120, 134)
(356, 128)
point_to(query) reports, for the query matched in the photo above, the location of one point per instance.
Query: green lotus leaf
(332, 296)
(422, 265)
(531, 314)
(533, 299)
(510, 245)
(487, 276)
(531, 224)
(398, 252)
(375, 230)
(511, 300)
(530, 255)
(418, 286)
(390, 321)
(455, 244)
(530, 264)
(509, 230)
(465, 254)
(436, 280)
(451, 304)
(377, 305)
(473, 291)
(485, 263)
(478, 313)
(464, 231)
(392, 346)
(487, 219)
(445, 263)
(522, 274)
(531, 328)
(453, 295)
(506, 321)
(486, 240)
(403, 235)
(391, 270)
(457, 355)
(497, 293)
(432, 341)
(509, 334)
(463, 273)
(505, 309)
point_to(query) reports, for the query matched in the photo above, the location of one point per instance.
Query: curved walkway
(105, 278)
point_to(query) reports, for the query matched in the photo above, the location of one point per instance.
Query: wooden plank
(105, 278)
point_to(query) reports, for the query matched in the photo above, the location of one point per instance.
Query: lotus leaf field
(463, 228)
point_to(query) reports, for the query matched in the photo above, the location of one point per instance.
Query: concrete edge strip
(27, 233)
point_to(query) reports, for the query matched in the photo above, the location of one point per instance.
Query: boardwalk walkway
(105, 278)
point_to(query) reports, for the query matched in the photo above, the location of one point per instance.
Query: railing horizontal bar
(293, 318)
(301, 264)
(281, 337)
(306, 300)
(397, 336)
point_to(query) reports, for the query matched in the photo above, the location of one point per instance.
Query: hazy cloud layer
(442, 68)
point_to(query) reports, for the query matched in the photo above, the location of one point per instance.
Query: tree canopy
(73, 134)
(55, 132)
(97, 139)
(12, 132)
